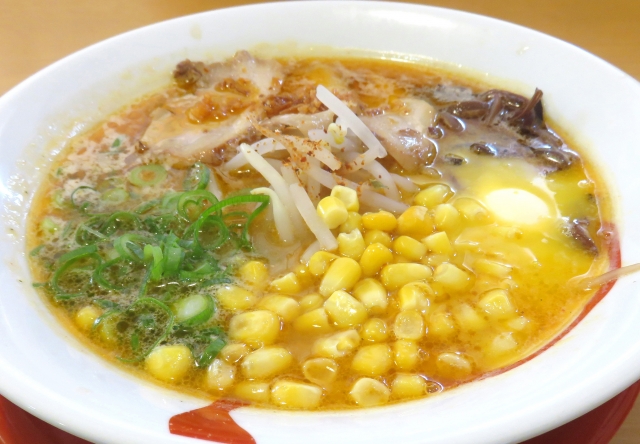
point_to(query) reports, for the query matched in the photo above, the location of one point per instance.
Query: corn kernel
(415, 296)
(415, 222)
(353, 222)
(234, 298)
(433, 195)
(345, 310)
(496, 304)
(472, 210)
(518, 324)
(372, 360)
(220, 375)
(409, 247)
(337, 345)
(372, 294)
(348, 196)
(87, 316)
(266, 362)
(351, 244)
(451, 277)
(321, 371)
(169, 362)
(397, 259)
(441, 324)
(439, 293)
(447, 218)
(233, 353)
(319, 262)
(492, 268)
(374, 257)
(314, 321)
(108, 330)
(409, 325)
(394, 276)
(310, 302)
(408, 386)
(374, 330)
(377, 237)
(453, 365)
(253, 391)
(254, 273)
(434, 260)
(382, 220)
(467, 318)
(343, 273)
(287, 308)
(255, 328)
(406, 354)
(503, 343)
(304, 276)
(438, 243)
(508, 284)
(367, 392)
(297, 395)
(332, 211)
(287, 284)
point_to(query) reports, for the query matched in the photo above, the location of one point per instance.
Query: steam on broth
(314, 233)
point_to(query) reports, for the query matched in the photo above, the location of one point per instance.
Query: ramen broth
(240, 234)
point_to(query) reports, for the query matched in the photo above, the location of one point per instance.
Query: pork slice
(188, 126)
(303, 122)
(404, 133)
(265, 75)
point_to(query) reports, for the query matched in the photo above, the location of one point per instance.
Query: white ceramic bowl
(46, 371)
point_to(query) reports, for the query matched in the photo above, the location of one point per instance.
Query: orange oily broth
(539, 259)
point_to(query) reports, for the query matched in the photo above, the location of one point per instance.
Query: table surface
(35, 33)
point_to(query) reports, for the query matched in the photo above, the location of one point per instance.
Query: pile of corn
(369, 312)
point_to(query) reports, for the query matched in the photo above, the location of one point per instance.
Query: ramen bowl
(49, 372)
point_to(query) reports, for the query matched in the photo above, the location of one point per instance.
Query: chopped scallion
(147, 175)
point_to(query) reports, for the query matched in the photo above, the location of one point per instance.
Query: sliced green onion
(173, 255)
(194, 310)
(236, 200)
(110, 225)
(57, 200)
(209, 353)
(153, 255)
(106, 304)
(101, 280)
(170, 201)
(197, 178)
(148, 319)
(36, 250)
(196, 197)
(89, 232)
(78, 253)
(147, 206)
(115, 196)
(68, 261)
(73, 195)
(128, 245)
(147, 175)
(219, 237)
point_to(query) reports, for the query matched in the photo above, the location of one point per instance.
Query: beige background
(35, 33)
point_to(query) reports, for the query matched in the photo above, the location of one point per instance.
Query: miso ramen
(318, 233)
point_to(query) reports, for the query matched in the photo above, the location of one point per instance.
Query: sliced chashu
(402, 131)
(225, 96)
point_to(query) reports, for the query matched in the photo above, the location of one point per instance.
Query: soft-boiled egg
(516, 206)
